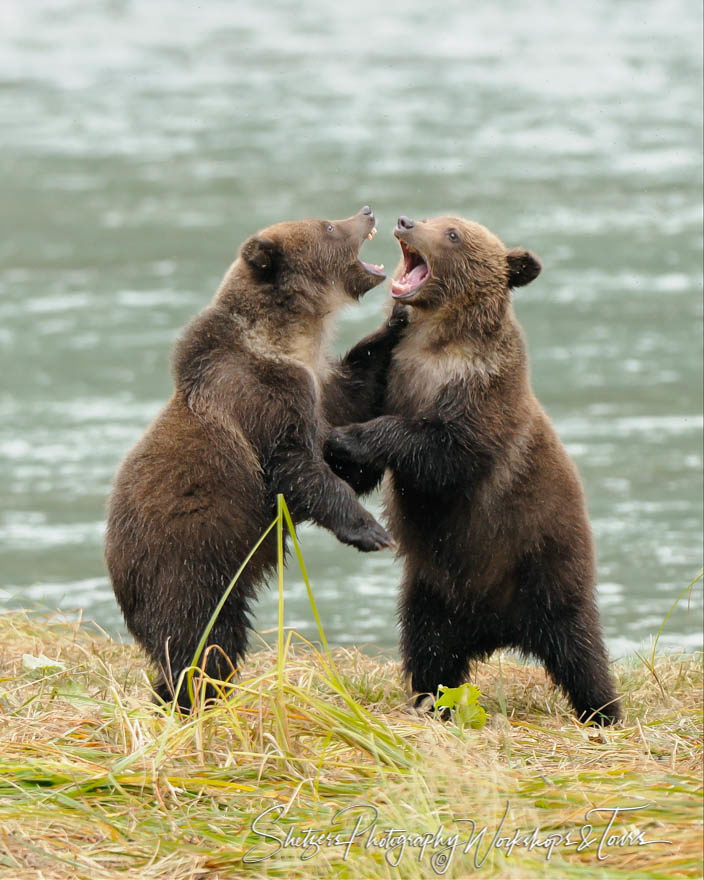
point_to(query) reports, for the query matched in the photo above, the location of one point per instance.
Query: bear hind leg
(576, 661)
(562, 628)
(434, 646)
(225, 648)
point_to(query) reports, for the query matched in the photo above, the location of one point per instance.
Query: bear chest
(418, 376)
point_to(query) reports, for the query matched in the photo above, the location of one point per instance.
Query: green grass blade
(687, 589)
(280, 572)
(304, 572)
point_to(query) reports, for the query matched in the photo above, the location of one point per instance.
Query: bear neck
(482, 322)
(290, 323)
(436, 334)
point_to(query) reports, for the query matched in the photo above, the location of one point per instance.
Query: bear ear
(262, 254)
(523, 267)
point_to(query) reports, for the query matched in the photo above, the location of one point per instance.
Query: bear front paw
(344, 443)
(424, 705)
(399, 317)
(367, 536)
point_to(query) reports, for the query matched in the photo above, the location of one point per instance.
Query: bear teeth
(371, 234)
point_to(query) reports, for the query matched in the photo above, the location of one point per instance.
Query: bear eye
(452, 235)
(330, 227)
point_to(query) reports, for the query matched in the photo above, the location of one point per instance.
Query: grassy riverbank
(95, 782)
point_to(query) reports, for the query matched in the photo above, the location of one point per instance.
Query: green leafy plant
(463, 703)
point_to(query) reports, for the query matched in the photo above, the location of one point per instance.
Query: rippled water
(141, 142)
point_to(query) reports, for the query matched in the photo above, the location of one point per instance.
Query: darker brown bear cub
(254, 396)
(486, 506)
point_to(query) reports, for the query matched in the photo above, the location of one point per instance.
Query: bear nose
(366, 210)
(405, 222)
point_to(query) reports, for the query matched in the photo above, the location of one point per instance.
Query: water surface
(142, 142)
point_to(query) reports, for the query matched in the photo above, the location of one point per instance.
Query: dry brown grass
(95, 782)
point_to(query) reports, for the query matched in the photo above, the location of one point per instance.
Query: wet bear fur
(255, 394)
(486, 506)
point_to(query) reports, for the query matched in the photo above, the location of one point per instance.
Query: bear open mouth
(373, 268)
(415, 273)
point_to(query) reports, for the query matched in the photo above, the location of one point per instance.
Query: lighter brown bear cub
(486, 506)
(255, 393)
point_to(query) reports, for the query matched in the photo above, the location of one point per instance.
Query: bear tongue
(416, 275)
(409, 281)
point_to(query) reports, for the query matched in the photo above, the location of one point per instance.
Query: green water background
(141, 142)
